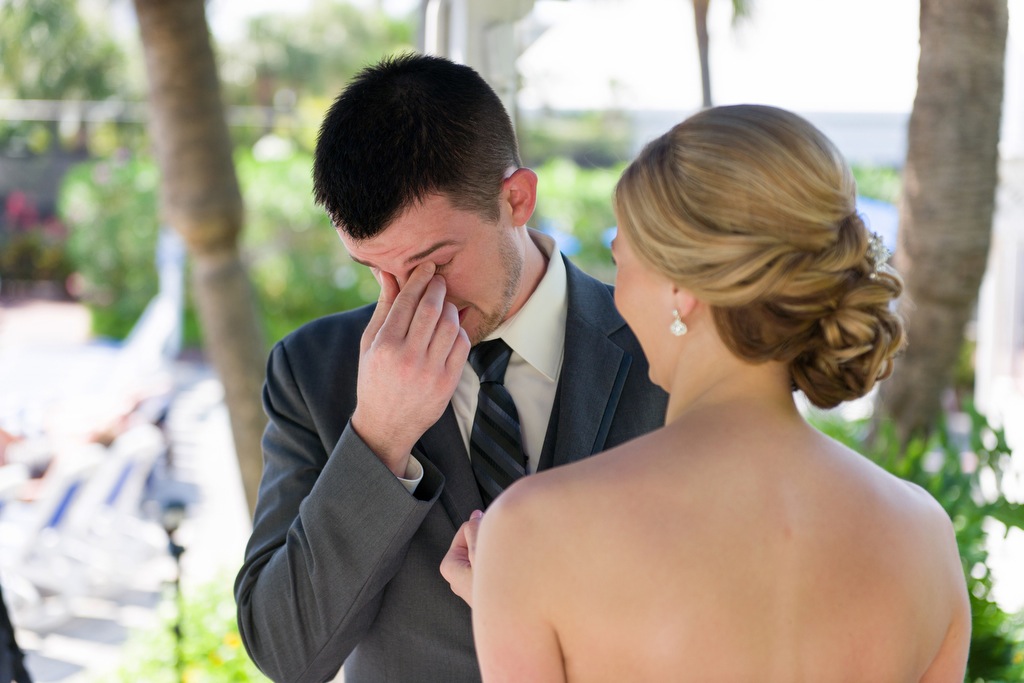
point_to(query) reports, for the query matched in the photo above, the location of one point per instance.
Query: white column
(481, 34)
(999, 365)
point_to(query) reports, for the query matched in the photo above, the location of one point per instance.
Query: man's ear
(520, 191)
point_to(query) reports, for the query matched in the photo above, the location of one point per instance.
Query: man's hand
(410, 359)
(457, 565)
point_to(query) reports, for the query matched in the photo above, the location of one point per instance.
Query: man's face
(481, 262)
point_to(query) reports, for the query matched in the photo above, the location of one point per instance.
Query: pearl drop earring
(678, 327)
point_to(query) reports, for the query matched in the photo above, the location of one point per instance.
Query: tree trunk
(948, 200)
(700, 20)
(201, 200)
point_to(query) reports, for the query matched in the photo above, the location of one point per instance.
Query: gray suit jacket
(343, 564)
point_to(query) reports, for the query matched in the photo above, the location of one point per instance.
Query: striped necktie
(495, 444)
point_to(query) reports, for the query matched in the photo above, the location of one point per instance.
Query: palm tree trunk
(700, 20)
(200, 199)
(948, 200)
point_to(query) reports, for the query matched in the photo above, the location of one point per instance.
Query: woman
(736, 543)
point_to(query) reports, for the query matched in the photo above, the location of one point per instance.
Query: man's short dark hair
(406, 128)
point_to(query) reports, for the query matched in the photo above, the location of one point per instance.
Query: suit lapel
(443, 446)
(588, 394)
(593, 372)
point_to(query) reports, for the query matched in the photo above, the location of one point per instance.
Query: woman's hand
(457, 565)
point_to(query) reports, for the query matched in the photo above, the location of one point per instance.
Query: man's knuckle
(447, 326)
(431, 309)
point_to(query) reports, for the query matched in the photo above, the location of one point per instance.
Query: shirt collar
(546, 309)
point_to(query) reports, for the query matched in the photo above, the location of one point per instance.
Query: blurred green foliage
(293, 65)
(33, 256)
(962, 465)
(298, 267)
(575, 205)
(53, 50)
(309, 53)
(297, 262)
(600, 139)
(963, 371)
(110, 208)
(211, 648)
(879, 182)
(33, 252)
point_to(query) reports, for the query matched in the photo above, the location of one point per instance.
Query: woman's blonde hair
(752, 209)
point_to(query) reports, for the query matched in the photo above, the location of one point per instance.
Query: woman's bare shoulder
(905, 517)
(562, 505)
(905, 496)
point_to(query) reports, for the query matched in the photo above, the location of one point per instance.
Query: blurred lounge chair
(31, 575)
(107, 525)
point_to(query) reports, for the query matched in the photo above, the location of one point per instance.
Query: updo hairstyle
(752, 209)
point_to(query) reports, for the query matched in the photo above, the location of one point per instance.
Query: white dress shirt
(536, 335)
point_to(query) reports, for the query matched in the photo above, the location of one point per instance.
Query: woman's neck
(724, 380)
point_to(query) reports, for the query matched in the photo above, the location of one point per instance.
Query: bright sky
(802, 54)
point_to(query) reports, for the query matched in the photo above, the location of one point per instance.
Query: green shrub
(952, 465)
(110, 208)
(33, 254)
(297, 263)
(878, 182)
(298, 266)
(575, 204)
(211, 648)
(590, 139)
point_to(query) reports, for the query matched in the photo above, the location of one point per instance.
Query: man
(373, 454)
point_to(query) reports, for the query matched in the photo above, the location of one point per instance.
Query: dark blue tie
(496, 443)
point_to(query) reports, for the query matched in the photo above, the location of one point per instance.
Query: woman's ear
(520, 191)
(684, 301)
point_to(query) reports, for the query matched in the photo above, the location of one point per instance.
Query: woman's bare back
(714, 551)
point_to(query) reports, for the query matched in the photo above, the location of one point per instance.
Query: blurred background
(158, 234)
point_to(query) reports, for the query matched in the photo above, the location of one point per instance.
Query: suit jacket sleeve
(331, 527)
